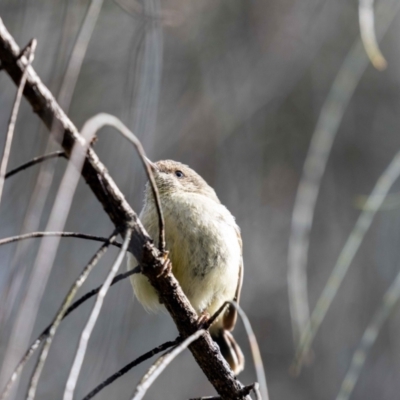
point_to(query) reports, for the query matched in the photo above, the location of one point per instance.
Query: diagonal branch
(51, 330)
(13, 119)
(35, 161)
(155, 370)
(132, 364)
(205, 351)
(44, 335)
(32, 235)
(87, 331)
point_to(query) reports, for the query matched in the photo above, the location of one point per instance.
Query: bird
(205, 249)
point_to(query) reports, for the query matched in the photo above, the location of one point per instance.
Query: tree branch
(205, 351)
(35, 161)
(132, 364)
(33, 235)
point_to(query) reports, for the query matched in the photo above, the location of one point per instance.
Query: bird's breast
(201, 236)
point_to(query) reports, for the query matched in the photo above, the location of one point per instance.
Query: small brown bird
(204, 246)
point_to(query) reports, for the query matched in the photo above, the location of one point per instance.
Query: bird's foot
(165, 267)
(203, 319)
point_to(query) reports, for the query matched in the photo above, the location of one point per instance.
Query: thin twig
(390, 300)
(35, 345)
(97, 122)
(80, 353)
(28, 309)
(36, 160)
(132, 364)
(51, 330)
(217, 313)
(382, 187)
(318, 153)
(49, 245)
(78, 235)
(61, 312)
(30, 50)
(93, 292)
(256, 390)
(141, 389)
(255, 350)
(368, 36)
(78, 53)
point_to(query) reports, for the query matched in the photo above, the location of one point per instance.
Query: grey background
(234, 89)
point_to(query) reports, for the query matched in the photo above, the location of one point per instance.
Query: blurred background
(236, 89)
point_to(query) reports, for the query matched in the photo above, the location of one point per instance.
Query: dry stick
(20, 331)
(392, 202)
(35, 345)
(382, 187)
(204, 350)
(48, 249)
(93, 292)
(367, 32)
(390, 300)
(141, 389)
(51, 330)
(61, 312)
(87, 331)
(30, 50)
(97, 122)
(322, 139)
(32, 235)
(45, 177)
(46, 256)
(255, 350)
(35, 161)
(132, 364)
(256, 390)
(153, 367)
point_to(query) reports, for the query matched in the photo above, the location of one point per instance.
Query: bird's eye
(179, 174)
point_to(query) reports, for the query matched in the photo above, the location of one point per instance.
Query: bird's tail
(230, 350)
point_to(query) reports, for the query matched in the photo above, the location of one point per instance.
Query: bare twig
(48, 247)
(93, 292)
(28, 308)
(258, 364)
(217, 313)
(51, 330)
(35, 161)
(64, 307)
(382, 187)
(322, 139)
(367, 32)
(132, 364)
(97, 122)
(32, 235)
(390, 300)
(391, 202)
(78, 53)
(80, 353)
(141, 389)
(256, 390)
(115, 205)
(255, 350)
(35, 345)
(30, 50)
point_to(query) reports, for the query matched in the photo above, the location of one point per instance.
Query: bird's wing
(230, 316)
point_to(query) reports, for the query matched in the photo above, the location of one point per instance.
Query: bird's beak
(152, 165)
